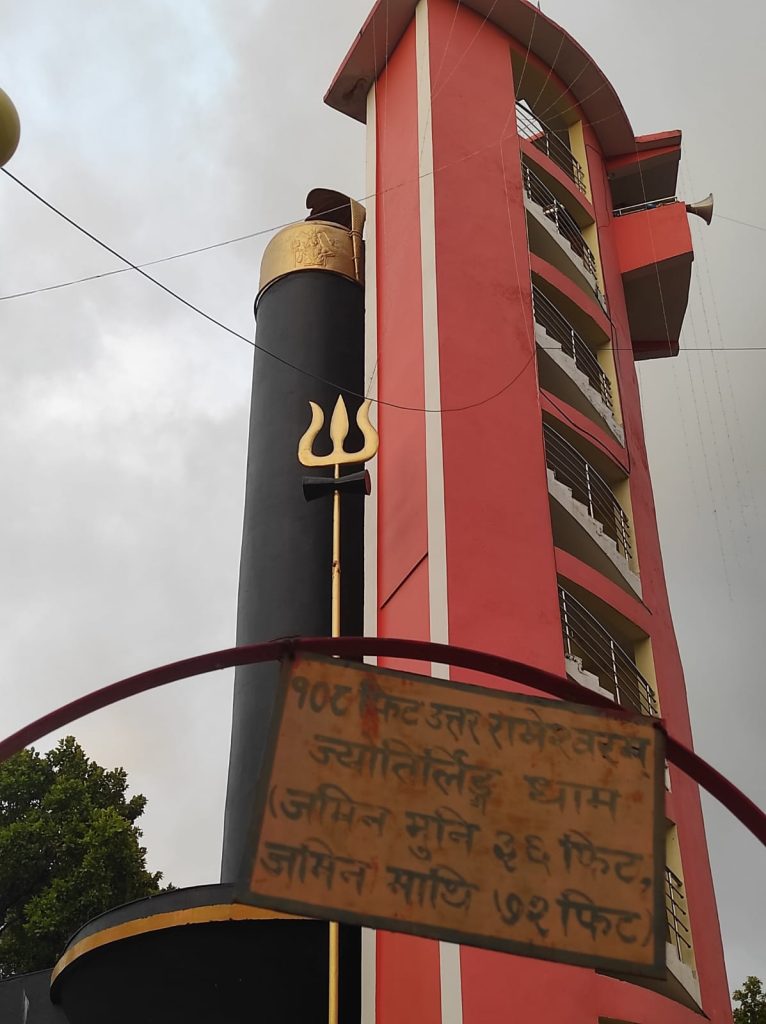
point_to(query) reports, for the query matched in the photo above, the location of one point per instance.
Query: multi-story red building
(524, 250)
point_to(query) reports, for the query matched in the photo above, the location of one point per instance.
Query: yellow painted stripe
(172, 919)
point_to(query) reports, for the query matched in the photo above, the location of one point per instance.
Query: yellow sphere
(10, 128)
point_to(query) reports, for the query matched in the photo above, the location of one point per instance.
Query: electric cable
(744, 223)
(526, 57)
(278, 227)
(242, 337)
(437, 76)
(462, 57)
(691, 380)
(733, 461)
(585, 433)
(149, 263)
(729, 408)
(551, 69)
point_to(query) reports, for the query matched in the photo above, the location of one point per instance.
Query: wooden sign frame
(274, 896)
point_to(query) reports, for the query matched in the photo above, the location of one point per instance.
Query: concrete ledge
(553, 246)
(583, 535)
(682, 987)
(578, 674)
(684, 979)
(574, 385)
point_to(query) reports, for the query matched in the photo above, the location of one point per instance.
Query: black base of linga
(189, 956)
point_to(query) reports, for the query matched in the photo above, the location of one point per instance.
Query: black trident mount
(323, 486)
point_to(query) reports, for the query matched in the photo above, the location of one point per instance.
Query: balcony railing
(558, 327)
(599, 653)
(555, 211)
(677, 931)
(530, 127)
(588, 487)
(650, 204)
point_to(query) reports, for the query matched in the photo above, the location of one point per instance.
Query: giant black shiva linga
(194, 955)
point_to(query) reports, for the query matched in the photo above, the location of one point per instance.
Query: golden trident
(338, 457)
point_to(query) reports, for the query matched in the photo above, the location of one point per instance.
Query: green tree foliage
(752, 1003)
(69, 849)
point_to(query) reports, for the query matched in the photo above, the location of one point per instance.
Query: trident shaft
(317, 487)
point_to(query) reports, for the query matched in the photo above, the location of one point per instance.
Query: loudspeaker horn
(704, 208)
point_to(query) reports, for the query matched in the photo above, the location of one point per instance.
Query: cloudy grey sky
(164, 126)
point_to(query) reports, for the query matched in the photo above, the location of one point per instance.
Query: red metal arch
(751, 816)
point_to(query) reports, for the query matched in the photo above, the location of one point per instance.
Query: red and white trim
(437, 541)
(449, 954)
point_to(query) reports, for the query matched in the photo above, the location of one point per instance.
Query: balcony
(558, 327)
(648, 172)
(574, 371)
(588, 487)
(595, 659)
(681, 977)
(552, 225)
(677, 932)
(654, 250)
(587, 519)
(649, 204)
(549, 142)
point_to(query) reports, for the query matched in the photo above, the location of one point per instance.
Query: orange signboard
(462, 813)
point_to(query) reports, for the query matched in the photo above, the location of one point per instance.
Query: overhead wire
(728, 409)
(576, 78)
(732, 460)
(577, 105)
(517, 89)
(744, 223)
(597, 441)
(738, 451)
(139, 268)
(462, 57)
(278, 227)
(149, 263)
(252, 343)
(229, 330)
(700, 434)
(696, 407)
(710, 443)
(550, 72)
(437, 76)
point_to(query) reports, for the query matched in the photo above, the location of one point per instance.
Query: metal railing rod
(650, 204)
(584, 473)
(617, 683)
(555, 211)
(619, 676)
(608, 662)
(588, 487)
(609, 651)
(558, 327)
(678, 933)
(530, 127)
(611, 518)
(585, 638)
(549, 317)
